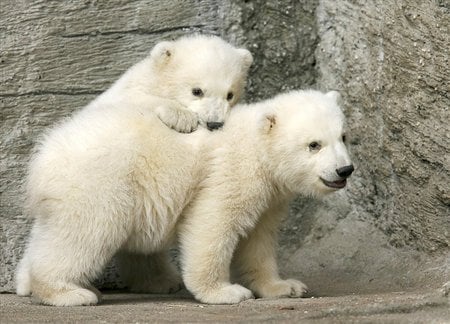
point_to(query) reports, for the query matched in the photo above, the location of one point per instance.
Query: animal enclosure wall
(389, 230)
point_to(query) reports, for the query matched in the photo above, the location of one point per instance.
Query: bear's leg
(63, 260)
(153, 273)
(207, 246)
(23, 280)
(255, 260)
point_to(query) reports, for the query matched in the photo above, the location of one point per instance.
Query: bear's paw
(178, 118)
(282, 288)
(229, 294)
(75, 297)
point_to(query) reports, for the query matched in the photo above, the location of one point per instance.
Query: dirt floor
(116, 307)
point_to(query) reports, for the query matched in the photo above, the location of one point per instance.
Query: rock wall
(391, 228)
(388, 230)
(393, 67)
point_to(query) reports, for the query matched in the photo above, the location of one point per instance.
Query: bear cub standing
(114, 178)
(266, 154)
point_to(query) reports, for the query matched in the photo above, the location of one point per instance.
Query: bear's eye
(344, 138)
(230, 96)
(314, 146)
(197, 92)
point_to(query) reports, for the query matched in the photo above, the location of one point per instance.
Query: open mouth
(339, 184)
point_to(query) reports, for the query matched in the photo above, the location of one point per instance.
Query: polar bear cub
(202, 76)
(266, 154)
(114, 178)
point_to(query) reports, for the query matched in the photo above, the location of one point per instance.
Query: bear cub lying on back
(266, 154)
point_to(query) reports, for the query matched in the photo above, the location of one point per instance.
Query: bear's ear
(246, 56)
(336, 96)
(162, 53)
(268, 122)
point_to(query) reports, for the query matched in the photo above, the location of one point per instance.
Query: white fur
(165, 79)
(255, 166)
(115, 178)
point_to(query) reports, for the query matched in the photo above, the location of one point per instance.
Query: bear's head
(306, 142)
(203, 73)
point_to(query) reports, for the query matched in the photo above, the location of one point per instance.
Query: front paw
(282, 288)
(228, 294)
(180, 119)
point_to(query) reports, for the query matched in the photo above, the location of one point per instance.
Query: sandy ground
(118, 307)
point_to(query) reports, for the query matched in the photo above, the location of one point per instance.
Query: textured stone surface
(282, 36)
(393, 68)
(426, 307)
(391, 228)
(388, 230)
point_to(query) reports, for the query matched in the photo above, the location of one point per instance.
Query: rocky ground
(397, 307)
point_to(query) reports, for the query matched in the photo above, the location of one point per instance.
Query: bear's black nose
(213, 125)
(345, 171)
